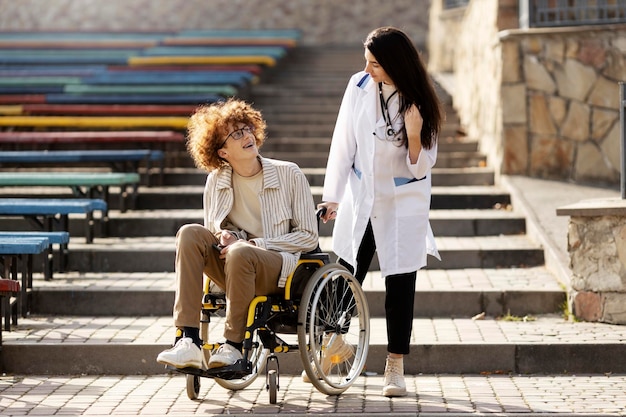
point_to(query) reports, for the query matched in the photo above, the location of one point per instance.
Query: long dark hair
(395, 52)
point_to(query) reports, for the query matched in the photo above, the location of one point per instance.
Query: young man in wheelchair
(259, 216)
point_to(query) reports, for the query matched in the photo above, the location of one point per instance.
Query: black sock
(194, 334)
(239, 346)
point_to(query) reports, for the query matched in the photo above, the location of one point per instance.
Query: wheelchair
(322, 302)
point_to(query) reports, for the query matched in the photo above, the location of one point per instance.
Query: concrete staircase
(114, 315)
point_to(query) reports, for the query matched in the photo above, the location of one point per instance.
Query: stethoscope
(384, 106)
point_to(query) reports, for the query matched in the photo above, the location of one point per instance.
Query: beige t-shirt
(246, 211)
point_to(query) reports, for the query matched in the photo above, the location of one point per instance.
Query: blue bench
(46, 213)
(16, 250)
(89, 185)
(158, 77)
(61, 238)
(75, 98)
(88, 70)
(120, 160)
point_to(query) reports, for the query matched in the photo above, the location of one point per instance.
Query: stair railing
(622, 97)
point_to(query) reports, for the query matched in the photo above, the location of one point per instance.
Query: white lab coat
(364, 175)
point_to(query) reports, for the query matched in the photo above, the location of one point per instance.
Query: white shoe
(394, 385)
(224, 356)
(184, 354)
(337, 353)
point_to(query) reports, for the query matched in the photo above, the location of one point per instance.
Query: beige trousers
(246, 272)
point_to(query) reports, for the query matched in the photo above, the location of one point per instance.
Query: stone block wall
(596, 242)
(542, 102)
(322, 22)
(560, 102)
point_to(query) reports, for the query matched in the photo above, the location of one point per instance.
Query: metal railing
(622, 100)
(556, 13)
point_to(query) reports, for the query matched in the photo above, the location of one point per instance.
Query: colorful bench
(120, 160)
(86, 70)
(91, 137)
(9, 291)
(46, 213)
(60, 238)
(89, 185)
(136, 98)
(21, 250)
(93, 122)
(98, 109)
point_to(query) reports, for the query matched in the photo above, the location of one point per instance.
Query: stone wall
(322, 22)
(542, 102)
(560, 103)
(597, 248)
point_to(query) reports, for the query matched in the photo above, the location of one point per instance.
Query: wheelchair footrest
(238, 370)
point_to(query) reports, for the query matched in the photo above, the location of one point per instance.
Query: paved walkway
(430, 395)
(538, 199)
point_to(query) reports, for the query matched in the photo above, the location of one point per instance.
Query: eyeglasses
(238, 134)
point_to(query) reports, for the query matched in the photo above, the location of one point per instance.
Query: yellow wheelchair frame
(322, 302)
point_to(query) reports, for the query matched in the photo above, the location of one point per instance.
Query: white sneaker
(394, 385)
(337, 353)
(224, 356)
(184, 354)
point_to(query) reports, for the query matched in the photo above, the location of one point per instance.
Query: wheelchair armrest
(315, 255)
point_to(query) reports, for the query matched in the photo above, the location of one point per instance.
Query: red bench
(76, 137)
(9, 289)
(108, 109)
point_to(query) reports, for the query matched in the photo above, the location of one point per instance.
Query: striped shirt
(287, 210)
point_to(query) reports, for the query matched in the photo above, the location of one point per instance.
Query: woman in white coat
(378, 180)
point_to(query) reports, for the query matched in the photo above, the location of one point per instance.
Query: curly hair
(209, 126)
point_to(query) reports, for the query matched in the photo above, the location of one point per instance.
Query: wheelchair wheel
(258, 356)
(272, 385)
(193, 386)
(333, 329)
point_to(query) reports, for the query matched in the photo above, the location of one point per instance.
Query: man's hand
(227, 238)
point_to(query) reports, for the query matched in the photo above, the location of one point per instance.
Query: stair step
(315, 176)
(439, 293)
(190, 197)
(145, 223)
(114, 345)
(156, 253)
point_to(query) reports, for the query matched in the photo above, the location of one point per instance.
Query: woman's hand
(413, 123)
(331, 210)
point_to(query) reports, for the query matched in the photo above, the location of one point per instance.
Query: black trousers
(399, 296)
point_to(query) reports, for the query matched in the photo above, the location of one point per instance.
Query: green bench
(122, 160)
(90, 185)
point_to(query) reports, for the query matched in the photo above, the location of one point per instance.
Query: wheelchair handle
(319, 213)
